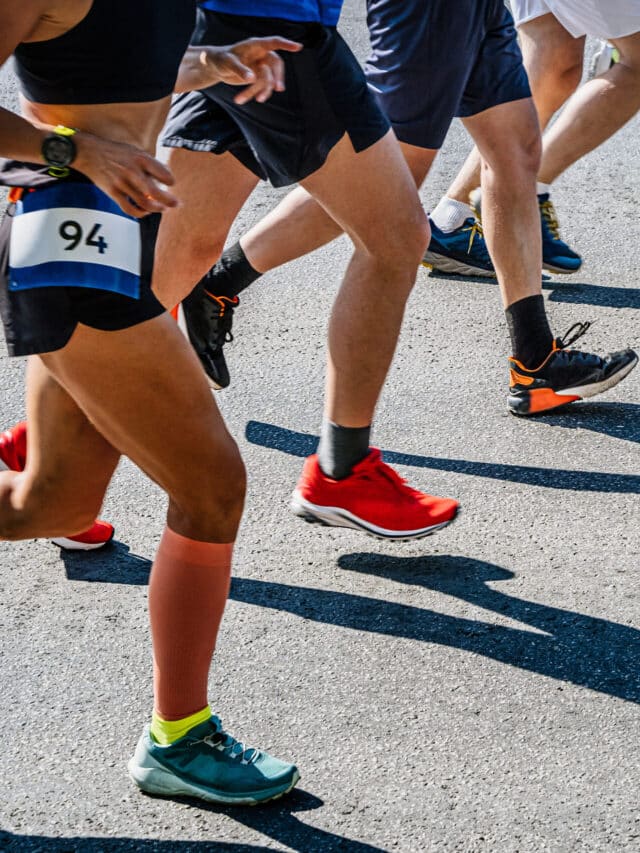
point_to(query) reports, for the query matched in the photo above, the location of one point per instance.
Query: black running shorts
(290, 136)
(43, 319)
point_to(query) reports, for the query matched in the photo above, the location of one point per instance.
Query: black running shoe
(208, 320)
(566, 375)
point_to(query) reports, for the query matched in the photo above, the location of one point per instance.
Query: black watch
(59, 149)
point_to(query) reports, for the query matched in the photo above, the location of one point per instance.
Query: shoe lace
(549, 215)
(475, 230)
(226, 743)
(385, 472)
(567, 339)
(223, 309)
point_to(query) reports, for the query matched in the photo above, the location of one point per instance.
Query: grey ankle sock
(341, 448)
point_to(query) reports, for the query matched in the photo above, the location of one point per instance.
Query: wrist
(58, 148)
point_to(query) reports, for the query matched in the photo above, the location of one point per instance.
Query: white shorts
(605, 19)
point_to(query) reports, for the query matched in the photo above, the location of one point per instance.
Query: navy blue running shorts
(43, 319)
(432, 60)
(287, 138)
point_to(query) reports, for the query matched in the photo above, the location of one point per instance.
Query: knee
(401, 244)
(557, 81)
(211, 503)
(43, 509)
(516, 165)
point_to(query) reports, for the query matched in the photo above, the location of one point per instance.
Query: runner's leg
(155, 407)
(307, 225)
(213, 189)
(597, 111)
(553, 59)
(69, 465)
(367, 314)
(508, 139)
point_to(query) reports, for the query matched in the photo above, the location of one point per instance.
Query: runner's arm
(253, 63)
(131, 177)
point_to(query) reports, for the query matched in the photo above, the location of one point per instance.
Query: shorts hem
(507, 99)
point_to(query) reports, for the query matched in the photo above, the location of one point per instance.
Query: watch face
(58, 151)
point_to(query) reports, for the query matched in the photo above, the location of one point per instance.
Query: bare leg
(390, 233)
(553, 59)
(509, 141)
(69, 465)
(307, 225)
(213, 189)
(164, 420)
(599, 109)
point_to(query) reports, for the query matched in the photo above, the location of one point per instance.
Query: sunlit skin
(164, 420)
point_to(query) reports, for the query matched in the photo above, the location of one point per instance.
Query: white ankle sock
(450, 214)
(543, 188)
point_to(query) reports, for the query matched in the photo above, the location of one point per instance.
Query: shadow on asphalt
(574, 292)
(582, 650)
(603, 296)
(617, 419)
(277, 820)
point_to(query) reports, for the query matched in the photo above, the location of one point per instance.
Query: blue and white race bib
(73, 235)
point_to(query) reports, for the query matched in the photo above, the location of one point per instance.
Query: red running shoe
(373, 498)
(13, 457)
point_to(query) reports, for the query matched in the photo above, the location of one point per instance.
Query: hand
(252, 61)
(128, 175)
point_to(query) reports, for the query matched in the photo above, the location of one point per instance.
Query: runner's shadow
(303, 444)
(568, 646)
(584, 650)
(112, 564)
(276, 820)
(579, 293)
(619, 420)
(16, 843)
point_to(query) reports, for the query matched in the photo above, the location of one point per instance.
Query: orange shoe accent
(174, 312)
(519, 379)
(15, 194)
(542, 399)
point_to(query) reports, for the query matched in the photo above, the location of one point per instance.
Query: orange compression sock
(188, 590)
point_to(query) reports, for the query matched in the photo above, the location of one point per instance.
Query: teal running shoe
(462, 252)
(210, 764)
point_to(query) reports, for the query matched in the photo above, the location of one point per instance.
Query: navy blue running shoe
(556, 255)
(463, 251)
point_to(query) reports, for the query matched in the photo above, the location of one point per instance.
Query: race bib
(73, 235)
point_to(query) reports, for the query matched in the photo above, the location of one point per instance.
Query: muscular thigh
(145, 391)
(387, 206)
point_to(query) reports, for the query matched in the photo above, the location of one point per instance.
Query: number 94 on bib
(73, 235)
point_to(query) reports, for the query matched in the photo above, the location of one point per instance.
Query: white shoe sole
(442, 263)
(333, 516)
(559, 271)
(72, 545)
(585, 391)
(157, 781)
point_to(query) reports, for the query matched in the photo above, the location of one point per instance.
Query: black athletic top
(122, 51)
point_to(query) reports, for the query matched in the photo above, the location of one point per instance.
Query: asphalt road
(476, 691)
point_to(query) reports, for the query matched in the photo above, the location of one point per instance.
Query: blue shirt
(324, 12)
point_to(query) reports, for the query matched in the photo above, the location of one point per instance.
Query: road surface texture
(475, 691)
